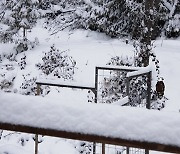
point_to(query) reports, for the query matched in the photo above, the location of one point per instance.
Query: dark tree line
(116, 18)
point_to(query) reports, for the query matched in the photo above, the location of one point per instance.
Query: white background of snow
(90, 49)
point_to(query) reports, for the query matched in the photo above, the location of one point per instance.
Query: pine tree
(18, 16)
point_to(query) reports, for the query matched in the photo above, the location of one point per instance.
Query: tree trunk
(145, 42)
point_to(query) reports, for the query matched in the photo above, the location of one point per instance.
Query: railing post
(36, 135)
(96, 90)
(127, 150)
(148, 105)
(149, 77)
(127, 86)
(96, 83)
(36, 144)
(103, 148)
(146, 151)
(94, 147)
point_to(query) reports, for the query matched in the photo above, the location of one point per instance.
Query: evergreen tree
(18, 16)
(172, 26)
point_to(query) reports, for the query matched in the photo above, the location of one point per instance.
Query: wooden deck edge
(91, 138)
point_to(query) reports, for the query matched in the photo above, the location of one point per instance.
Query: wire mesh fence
(112, 86)
(113, 149)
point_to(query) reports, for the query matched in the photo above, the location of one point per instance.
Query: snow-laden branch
(173, 8)
(167, 4)
(170, 7)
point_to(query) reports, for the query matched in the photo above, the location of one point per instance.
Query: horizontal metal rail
(120, 68)
(66, 86)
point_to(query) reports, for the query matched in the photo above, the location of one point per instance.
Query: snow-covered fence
(145, 71)
(113, 84)
(125, 126)
(104, 75)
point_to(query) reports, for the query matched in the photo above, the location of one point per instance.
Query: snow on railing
(140, 71)
(104, 123)
(110, 67)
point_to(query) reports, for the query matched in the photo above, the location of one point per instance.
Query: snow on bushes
(173, 27)
(58, 64)
(7, 77)
(22, 64)
(85, 147)
(25, 44)
(29, 86)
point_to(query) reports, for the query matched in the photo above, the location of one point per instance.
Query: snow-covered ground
(168, 52)
(89, 49)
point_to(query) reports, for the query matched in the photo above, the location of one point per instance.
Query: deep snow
(98, 119)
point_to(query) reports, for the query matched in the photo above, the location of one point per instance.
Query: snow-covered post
(143, 71)
(96, 90)
(96, 83)
(127, 86)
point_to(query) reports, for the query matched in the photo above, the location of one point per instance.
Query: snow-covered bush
(84, 147)
(58, 64)
(24, 45)
(22, 64)
(10, 56)
(7, 77)
(173, 27)
(6, 36)
(29, 86)
(16, 138)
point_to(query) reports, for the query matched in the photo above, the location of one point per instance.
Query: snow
(107, 120)
(90, 49)
(121, 102)
(12, 149)
(130, 68)
(140, 71)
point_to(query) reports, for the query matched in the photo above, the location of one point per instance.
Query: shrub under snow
(58, 64)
